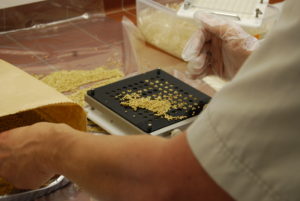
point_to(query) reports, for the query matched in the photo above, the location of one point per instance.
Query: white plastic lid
(247, 13)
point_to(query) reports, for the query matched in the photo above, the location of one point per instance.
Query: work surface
(78, 44)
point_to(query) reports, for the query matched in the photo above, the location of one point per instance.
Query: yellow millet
(77, 82)
(78, 96)
(64, 81)
(158, 106)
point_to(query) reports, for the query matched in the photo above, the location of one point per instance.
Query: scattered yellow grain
(158, 106)
(94, 128)
(135, 101)
(38, 76)
(77, 82)
(173, 6)
(64, 81)
(78, 96)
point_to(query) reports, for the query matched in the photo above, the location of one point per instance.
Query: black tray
(151, 83)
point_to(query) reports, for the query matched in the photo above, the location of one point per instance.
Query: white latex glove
(220, 47)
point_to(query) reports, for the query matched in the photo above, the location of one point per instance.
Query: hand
(219, 48)
(26, 154)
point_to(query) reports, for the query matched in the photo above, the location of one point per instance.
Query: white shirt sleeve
(248, 138)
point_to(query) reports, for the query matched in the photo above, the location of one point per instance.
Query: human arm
(110, 167)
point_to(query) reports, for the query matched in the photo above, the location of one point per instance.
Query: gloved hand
(220, 47)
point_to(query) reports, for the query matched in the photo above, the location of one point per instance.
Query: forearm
(115, 167)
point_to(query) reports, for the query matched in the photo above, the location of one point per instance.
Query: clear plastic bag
(85, 42)
(45, 12)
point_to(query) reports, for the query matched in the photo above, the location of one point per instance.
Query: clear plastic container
(161, 27)
(271, 16)
(164, 29)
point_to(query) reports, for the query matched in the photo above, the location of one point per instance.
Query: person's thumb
(193, 46)
(197, 66)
